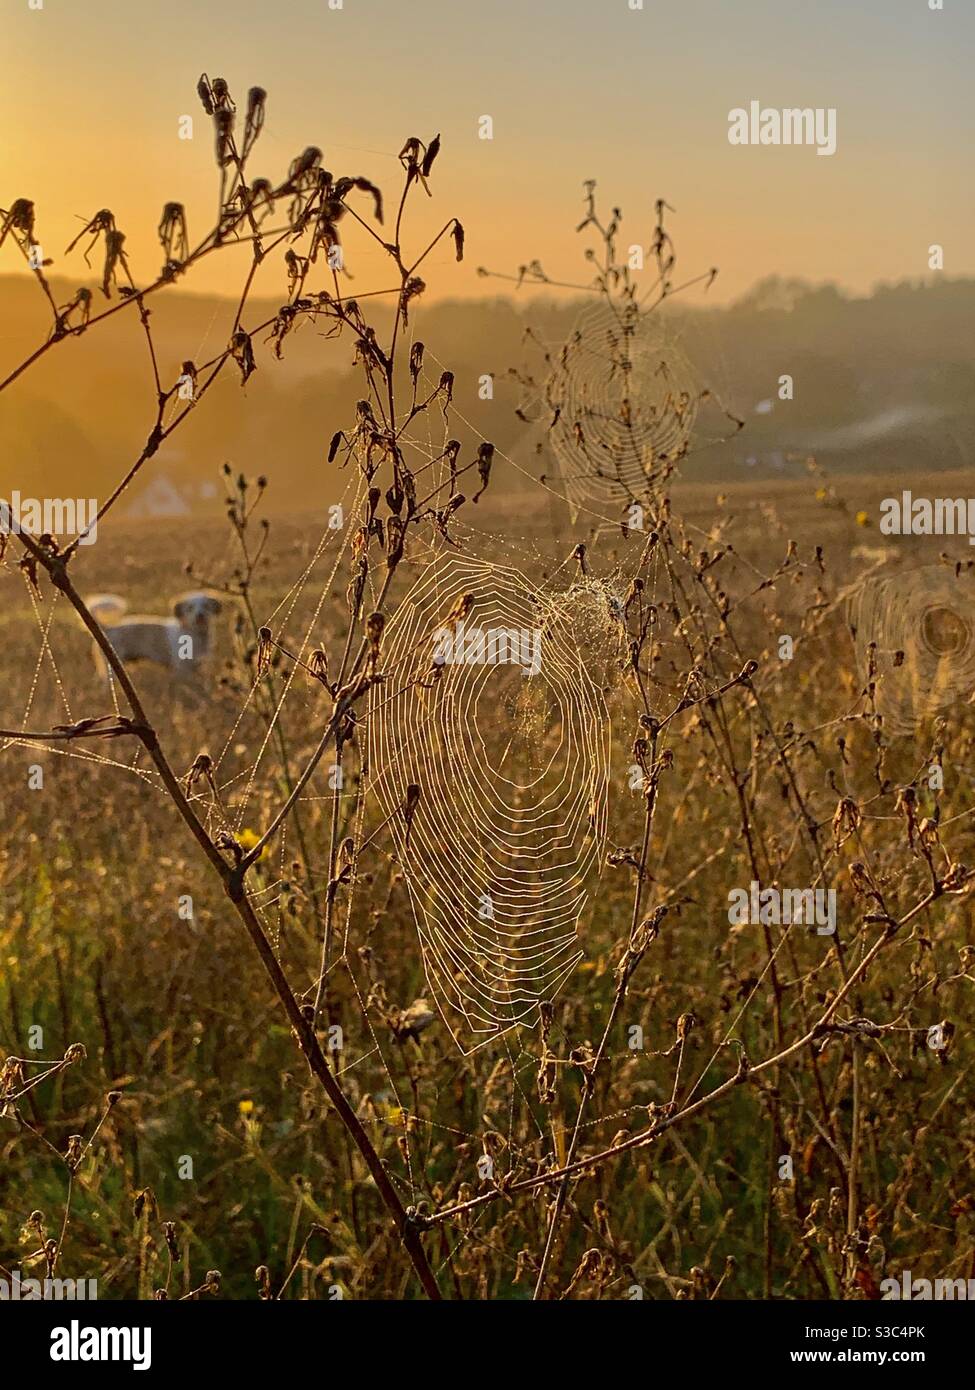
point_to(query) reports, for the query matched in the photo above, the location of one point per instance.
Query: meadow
(220, 1130)
(330, 970)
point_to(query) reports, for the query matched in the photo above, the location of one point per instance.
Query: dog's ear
(213, 604)
(183, 607)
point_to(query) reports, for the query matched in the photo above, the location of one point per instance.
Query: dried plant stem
(744, 1073)
(854, 1173)
(233, 883)
(342, 706)
(589, 1076)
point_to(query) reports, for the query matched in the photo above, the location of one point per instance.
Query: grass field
(821, 1175)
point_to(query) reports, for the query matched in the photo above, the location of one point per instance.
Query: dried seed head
(223, 125)
(413, 288)
(318, 665)
(430, 154)
(411, 1022)
(395, 538)
(374, 629)
(145, 1203)
(485, 457)
(365, 186)
(169, 1231)
(254, 120)
(205, 94)
(242, 351)
(173, 235)
(20, 218)
(265, 640)
(310, 158)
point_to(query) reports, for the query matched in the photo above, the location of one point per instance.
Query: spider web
(511, 762)
(915, 635)
(625, 403)
(513, 768)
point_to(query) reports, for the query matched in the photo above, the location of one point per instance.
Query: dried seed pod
(221, 93)
(395, 539)
(242, 351)
(20, 218)
(310, 158)
(410, 804)
(114, 241)
(223, 125)
(145, 1204)
(173, 235)
(366, 187)
(411, 1022)
(430, 154)
(254, 120)
(169, 1231)
(413, 288)
(374, 630)
(205, 94)
(264, 648)
(485, 457)
(318, 665)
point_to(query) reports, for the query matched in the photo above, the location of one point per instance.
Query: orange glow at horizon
(94, 99)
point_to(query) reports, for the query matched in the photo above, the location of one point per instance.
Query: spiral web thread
(583, 616)
(498, 850)
(541, 835)
(923, 626)
(624, 402)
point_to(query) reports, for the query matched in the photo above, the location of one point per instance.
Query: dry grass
(556, 1159)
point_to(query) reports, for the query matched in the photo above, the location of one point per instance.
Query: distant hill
(885, 382)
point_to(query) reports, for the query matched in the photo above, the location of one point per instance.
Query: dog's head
(195, 610)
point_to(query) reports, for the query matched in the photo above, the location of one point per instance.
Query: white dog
(179, 643)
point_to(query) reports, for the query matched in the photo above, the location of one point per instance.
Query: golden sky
(93, 92)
